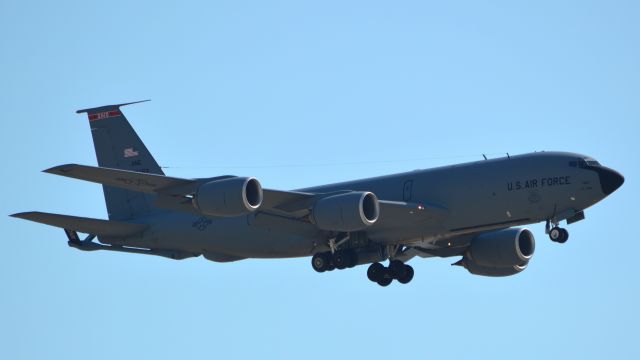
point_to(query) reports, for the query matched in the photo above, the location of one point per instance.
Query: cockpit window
(583, 163)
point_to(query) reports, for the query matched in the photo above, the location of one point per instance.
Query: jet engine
(346, 212)
(499, 253)
(228, 197)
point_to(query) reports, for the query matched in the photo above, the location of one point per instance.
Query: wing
(173, 193)
(177, 194)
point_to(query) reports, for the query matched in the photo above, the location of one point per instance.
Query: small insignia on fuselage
(534, 198)
(202, 223)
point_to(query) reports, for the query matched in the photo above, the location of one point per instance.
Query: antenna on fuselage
(508, 156)
(484, 156)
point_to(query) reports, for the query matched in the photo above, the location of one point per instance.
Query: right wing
(177, 194)
(125, 179)
(173, 193)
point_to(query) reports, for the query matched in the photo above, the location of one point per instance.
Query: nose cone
(610, 180)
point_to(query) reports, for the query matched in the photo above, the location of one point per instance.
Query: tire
(555, 234)
(564, 236)
(320, 262)
(385, 281)
(375, 272)
(397, 269)
(341, 260)
(408, 275)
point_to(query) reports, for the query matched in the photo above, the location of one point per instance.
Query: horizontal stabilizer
(130, 180)
(107, 228)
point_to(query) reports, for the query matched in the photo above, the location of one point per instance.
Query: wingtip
(23, 215)
(60, 169)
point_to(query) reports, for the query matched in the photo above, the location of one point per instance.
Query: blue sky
(299, 94)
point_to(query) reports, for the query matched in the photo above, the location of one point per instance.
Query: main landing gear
(383, 275)
(556, 233)
(327, 261)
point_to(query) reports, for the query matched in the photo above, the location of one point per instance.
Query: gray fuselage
(478, 196)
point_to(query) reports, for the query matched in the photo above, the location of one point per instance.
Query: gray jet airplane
(467, 210)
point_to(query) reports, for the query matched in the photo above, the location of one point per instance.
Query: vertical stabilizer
(118, 146)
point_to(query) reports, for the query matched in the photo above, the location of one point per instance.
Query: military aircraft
(467, 210)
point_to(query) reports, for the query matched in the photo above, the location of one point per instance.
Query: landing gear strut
(397, 270)
(557, 234)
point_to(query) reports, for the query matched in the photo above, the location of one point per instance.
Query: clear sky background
(299, 94)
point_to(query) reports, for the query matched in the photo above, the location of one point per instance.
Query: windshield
(583, 163)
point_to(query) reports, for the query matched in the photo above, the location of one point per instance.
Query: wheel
(375, 272)
(341, 259)
(320, 262)
(564, 236)
(555, 234)
(408, 275)
(385, 281)
(397, 269)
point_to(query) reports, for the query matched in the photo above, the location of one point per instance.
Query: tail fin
(119, 147)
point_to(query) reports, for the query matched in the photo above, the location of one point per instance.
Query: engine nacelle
(492, 271)
(346, 212)
(502, 248)
(228, 197)
(500, 253)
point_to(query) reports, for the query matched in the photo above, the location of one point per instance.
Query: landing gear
(559, 235)
(397, 270)
(556, 233)
(341, 259)
(376, 271)
(326, 261)
(408, 275)
(320, 262)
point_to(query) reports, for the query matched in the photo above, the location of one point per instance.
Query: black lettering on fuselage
(533, 183)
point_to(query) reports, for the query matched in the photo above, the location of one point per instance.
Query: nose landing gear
(557, 234)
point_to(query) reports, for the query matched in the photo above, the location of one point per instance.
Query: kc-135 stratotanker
(468, 210)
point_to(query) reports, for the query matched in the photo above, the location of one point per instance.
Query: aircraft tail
(118, 146)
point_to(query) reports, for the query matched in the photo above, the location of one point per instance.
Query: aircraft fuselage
(478, 196)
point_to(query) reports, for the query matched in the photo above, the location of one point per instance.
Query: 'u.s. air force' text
(539, 183)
